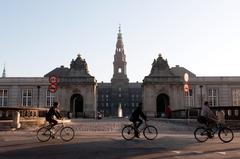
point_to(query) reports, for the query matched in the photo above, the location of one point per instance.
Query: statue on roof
(160, 66)
(79, 64)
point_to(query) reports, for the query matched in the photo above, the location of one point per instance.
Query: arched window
(119, 70)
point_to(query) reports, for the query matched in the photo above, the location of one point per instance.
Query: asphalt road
(170, 144)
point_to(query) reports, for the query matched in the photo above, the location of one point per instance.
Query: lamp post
(201, 94)
(38, 98)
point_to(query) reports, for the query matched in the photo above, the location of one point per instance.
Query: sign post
(52, 87)
(186, 92)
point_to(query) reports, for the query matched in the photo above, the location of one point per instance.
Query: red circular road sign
(186, 88)
(52, 88)
(53, 79)
(186, 77)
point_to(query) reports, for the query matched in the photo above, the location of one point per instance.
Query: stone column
(16, 120)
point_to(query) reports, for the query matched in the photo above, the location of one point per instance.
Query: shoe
(210, 135)
(137, 135)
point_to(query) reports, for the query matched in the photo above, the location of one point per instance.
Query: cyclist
(53, 111)
(210, 117)
(135, 118)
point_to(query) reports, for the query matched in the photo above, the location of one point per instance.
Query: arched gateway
(76, 89)
(161, 104)
(162, 87)
(76, 105)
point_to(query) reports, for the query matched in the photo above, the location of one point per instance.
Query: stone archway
(161, 103)
(76, 105)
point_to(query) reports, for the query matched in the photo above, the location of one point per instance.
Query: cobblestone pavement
(174, 141)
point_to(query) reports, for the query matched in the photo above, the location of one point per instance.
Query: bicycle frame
(216, 128)
(57, 128)
(46, 132)
(149, 131)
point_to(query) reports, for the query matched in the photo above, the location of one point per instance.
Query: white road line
(221, 153)
(198, 152)
(177, 152)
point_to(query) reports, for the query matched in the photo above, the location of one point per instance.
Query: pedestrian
(168, 111)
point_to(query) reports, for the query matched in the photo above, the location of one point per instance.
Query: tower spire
(119, 63)
(119, 44)
(4, 72)
(119, 28)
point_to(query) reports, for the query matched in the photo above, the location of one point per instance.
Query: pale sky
(37, 36)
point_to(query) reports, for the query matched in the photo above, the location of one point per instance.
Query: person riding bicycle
(135, 118)
(210, 119)
(53, 111)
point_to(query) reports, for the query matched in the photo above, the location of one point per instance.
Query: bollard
(16, 120)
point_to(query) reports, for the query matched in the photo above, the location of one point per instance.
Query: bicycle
(149, 131)
(44, 133)
(203, 133)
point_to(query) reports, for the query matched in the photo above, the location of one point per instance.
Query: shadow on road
(109, 148)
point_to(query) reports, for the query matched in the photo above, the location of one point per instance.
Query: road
(170, 144)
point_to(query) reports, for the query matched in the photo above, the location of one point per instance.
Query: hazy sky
(37, 36)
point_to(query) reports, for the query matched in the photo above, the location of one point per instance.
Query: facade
(76, 90)
(80, 94)
(164, 87)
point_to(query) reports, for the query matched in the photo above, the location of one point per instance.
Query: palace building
(81, 95)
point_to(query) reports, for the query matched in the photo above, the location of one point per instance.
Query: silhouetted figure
(53, 111)
(168, 111)
(135, 118)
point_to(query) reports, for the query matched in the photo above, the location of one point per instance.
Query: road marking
(198, 152)
(177, 152)
(221, 153)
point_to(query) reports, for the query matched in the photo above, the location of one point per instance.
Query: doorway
(76, 105)
(162, 102)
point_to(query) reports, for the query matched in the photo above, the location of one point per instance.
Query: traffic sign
(52, 88)
(186, 77)
(53, 79)
(186, 88)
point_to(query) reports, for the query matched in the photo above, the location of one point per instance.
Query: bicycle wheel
(225, 134)
(201, 134)
(43, 134)
(67, 133)
(128, 132)
(150, 132)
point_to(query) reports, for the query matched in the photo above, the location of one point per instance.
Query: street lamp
(38, 97)
(201, 94)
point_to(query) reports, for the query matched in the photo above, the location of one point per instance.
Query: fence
(231, 112)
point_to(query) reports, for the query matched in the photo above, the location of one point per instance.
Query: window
(133, 104)
(133, 97)
(236, 97)
(27, 97)
(189, 101)
(3, 97)
(50, 98)
(213, 97)
(119, 70)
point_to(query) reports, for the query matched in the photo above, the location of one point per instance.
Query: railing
(230, 112)
(25, 112)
